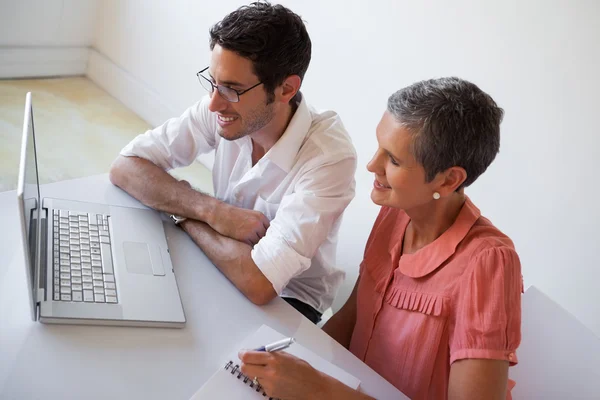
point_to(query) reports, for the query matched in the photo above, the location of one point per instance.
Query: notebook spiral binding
(235, 370)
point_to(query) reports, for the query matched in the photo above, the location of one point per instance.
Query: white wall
(45, 37)
(539, 59)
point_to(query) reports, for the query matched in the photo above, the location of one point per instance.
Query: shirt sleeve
(303, 221)
(488, 311)
(178, 141)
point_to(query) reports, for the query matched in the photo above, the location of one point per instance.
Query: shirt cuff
(504, 355)
(278, 262)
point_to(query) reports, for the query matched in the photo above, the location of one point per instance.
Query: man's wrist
(212, 209)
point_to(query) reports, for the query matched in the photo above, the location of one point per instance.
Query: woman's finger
(252, 370)
(255, 357)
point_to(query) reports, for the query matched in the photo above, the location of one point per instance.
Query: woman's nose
(374, 165)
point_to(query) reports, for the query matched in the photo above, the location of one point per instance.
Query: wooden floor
(79, 129)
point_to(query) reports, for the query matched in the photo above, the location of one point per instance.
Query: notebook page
(223, 385)
(220, 385)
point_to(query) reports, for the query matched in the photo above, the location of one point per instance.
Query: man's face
(252, 112)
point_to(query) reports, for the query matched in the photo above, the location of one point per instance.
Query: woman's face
(399, 179)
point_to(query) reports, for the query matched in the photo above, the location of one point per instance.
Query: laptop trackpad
(142, 258)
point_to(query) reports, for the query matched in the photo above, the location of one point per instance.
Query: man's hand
(247, 226)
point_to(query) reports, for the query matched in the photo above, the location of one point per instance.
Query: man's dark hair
(453, 123)
(271, 36)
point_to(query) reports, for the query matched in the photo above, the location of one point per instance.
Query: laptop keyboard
(83, 267)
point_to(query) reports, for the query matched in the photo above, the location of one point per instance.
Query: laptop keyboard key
(88, 295)
(111, 299)
(77, 296)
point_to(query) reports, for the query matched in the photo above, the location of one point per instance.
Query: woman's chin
(377, 198)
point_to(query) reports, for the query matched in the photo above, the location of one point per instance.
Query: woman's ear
(453, 178)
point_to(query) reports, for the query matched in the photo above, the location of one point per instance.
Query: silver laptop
(92, 263)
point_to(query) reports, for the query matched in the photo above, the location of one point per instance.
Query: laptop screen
(29, 195)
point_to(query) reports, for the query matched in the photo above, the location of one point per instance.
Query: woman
(436, 308)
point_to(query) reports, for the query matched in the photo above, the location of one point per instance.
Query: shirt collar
(284, 152)
(432, 256)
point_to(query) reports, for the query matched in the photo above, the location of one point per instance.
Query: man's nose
(217, 102)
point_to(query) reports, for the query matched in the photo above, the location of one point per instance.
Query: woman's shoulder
(484, 235)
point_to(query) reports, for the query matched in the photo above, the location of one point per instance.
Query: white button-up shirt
(302, 184)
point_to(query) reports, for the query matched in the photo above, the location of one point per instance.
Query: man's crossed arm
(225, 233)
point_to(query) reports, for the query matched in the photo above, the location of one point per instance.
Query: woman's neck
(430, 221)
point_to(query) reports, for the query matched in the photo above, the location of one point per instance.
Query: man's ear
(289, 88)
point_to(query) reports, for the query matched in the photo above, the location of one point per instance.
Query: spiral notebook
(229, 382)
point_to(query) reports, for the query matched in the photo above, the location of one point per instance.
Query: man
(283, 172)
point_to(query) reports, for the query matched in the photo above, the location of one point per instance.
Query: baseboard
(133, 93)
(30, 62)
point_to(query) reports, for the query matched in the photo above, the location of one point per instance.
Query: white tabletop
(39, 361)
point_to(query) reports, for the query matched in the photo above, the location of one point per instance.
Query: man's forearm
(157, 189)
(233, 259)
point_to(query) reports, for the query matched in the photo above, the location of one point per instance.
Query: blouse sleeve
(487, 321)
(383, 212)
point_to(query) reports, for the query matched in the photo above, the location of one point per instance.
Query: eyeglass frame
(215, 86)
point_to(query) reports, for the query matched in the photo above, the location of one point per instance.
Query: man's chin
(230, 134)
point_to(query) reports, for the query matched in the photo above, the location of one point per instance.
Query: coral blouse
(458, 297)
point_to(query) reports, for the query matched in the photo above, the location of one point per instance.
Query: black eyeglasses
(229, 94)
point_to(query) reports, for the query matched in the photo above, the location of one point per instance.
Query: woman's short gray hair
(453, 123)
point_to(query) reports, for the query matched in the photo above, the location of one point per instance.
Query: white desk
(40, 361)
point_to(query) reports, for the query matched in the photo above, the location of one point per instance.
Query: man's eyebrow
(227, 83)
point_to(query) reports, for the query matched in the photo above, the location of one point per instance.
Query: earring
(436, 195)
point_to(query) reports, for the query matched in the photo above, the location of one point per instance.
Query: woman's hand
(284, 376)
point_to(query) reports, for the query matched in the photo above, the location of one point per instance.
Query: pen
(278, 345)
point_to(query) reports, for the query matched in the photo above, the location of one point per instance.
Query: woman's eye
(393, 161)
